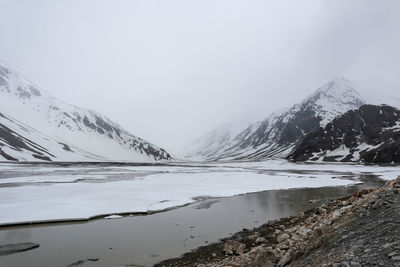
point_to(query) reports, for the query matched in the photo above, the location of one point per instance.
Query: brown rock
(233, 246)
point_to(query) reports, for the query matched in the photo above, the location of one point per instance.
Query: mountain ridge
(85, 129)
(277, 134)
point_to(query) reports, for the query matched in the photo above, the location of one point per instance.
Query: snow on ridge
(34, 145)
(86, 129)
(335, 98)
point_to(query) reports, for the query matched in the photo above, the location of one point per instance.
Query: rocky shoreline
(358, 230)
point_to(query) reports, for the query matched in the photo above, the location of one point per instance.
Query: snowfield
(32, 193)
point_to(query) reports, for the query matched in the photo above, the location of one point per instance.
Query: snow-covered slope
(370, 134)
(19, 142)
(98, 137)
(277, 135)
(212, 142)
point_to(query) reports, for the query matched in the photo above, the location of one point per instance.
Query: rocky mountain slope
(370, 134)
(278, 134)
(93, 136)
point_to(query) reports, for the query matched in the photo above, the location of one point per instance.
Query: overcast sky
(169, 71)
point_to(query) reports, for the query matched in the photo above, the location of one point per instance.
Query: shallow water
(146, 240)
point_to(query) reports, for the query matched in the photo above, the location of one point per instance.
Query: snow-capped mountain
(370, 134)
(278, 134)
(90, 135)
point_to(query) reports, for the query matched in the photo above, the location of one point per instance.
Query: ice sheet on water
(180, 186)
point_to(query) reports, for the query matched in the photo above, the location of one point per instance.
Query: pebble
(260, 240)
(277, 232)
(282, 237)
(395, 258)
(377, 204)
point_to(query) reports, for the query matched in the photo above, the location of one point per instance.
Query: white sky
(169, 71)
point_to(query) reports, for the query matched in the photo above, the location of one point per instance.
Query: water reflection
(145, 240)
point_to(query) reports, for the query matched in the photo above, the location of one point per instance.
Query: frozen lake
(44, 192)
(222, 197)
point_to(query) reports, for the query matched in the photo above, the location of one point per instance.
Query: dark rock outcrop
(370, 134)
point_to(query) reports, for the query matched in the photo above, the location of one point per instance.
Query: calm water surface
(146, 240)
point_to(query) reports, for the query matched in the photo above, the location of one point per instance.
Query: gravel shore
(358, 230)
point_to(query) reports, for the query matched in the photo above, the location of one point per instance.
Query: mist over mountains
(279, 133)
(34, 126)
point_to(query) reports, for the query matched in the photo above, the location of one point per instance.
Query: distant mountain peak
(338, 88)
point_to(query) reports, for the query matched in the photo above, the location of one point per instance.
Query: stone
(296, 237)
(354, 248)
(282, 237)
(272, 254)
(228, 252)
(260, 240)
(303, 231)
(335, 215)
(283, 245)
(322, 210)
(387, 245)
(377, 204)
(253, 237)
(286, 258)
(234, 247)
(277, 232)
